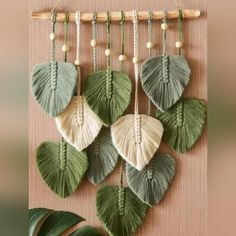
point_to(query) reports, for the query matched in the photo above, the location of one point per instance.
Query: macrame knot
(63, 159)
(121, 200)
(150, 170)
(53, 72)
(97, 148)
(179, 114)
(165, 63)
(109, 84)
(137, 129)
(79, 112)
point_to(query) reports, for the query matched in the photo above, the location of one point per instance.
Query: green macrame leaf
(86, 231)
(119, 210)
(53, 85)
(102, 156)
(61, 166)
(151, 183)
(36, 218)
(108, 96)
(183, 123)
(58, 222)
(164, 79)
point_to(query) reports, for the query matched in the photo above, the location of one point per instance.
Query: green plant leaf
(36, 218)
(164, 79)
(61, 166)
(119, 210)
(108, 96)
(58, 222)
(183, 123)
(151, 183)
(86, 231)
(53, 85)
(102, 156)
(137, 139)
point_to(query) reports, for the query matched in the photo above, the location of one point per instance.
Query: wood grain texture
(183, 210)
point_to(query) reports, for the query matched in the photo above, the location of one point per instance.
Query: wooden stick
(116, 16)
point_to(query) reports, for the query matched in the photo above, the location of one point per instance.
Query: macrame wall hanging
(61, 166)
(88, 148)
(165, 77)
(78, 124)
(136, 137)
(53, 82)
(110, 95)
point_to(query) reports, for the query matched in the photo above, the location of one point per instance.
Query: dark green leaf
(86, 231)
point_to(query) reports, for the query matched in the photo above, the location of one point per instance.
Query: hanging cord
(164, 34)
(78, 23)
(94, 39)
(53, 43)
(122, 30)
(122, 173)
(180, 32)
(66, 22)
(150, 20)
(108, 50)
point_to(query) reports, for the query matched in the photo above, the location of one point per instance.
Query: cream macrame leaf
(119, 210)
(164, 79)
(108, 94)
(61, 166)
(137, 138)
(183, 123)
(78, 124)
(102, 156)
(151, 183)
(53, 85)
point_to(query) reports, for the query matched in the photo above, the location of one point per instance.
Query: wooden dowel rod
(115, 16)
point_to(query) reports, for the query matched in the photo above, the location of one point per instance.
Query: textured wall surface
(182, 212)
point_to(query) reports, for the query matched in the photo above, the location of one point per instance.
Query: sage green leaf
(183, 123)
(164, 79)
(86, 231)
(102, 156)
(108, 93)
(53, 85)
(61, 166)
(58, 222)
(119, 210)
(36, 218)
(151, 183)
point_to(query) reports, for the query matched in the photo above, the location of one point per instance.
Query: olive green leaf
(151, 183)
(164, 79)
(108, 94)
(86, 231)
(61, 166)
(53, 85)
(119, 210)
(183, 123)
(102, 156)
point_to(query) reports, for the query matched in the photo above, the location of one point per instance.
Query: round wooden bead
(164, 26)
(52, 36)
(77, 62)
(65, 48)
(149, 45)
(108, 52)
(122, 58)
(179, 44)
(93, 43)
(135, 60)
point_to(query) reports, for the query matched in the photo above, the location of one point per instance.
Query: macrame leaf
(119, 210)
(78, 124)
(61, 166)
(183, 123)
(108, 96)
(102, 156)
(151, 183)
(164, 79)
(53, 85)
(137, 140)
(86, 230)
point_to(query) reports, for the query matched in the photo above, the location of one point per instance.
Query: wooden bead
(77, 62)
(52, 36)
(179, 44)
(93, 43)
(65, 48)
(164, 26)
(149, 45)
(135, 60)
(108, 52)
(122, 58)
